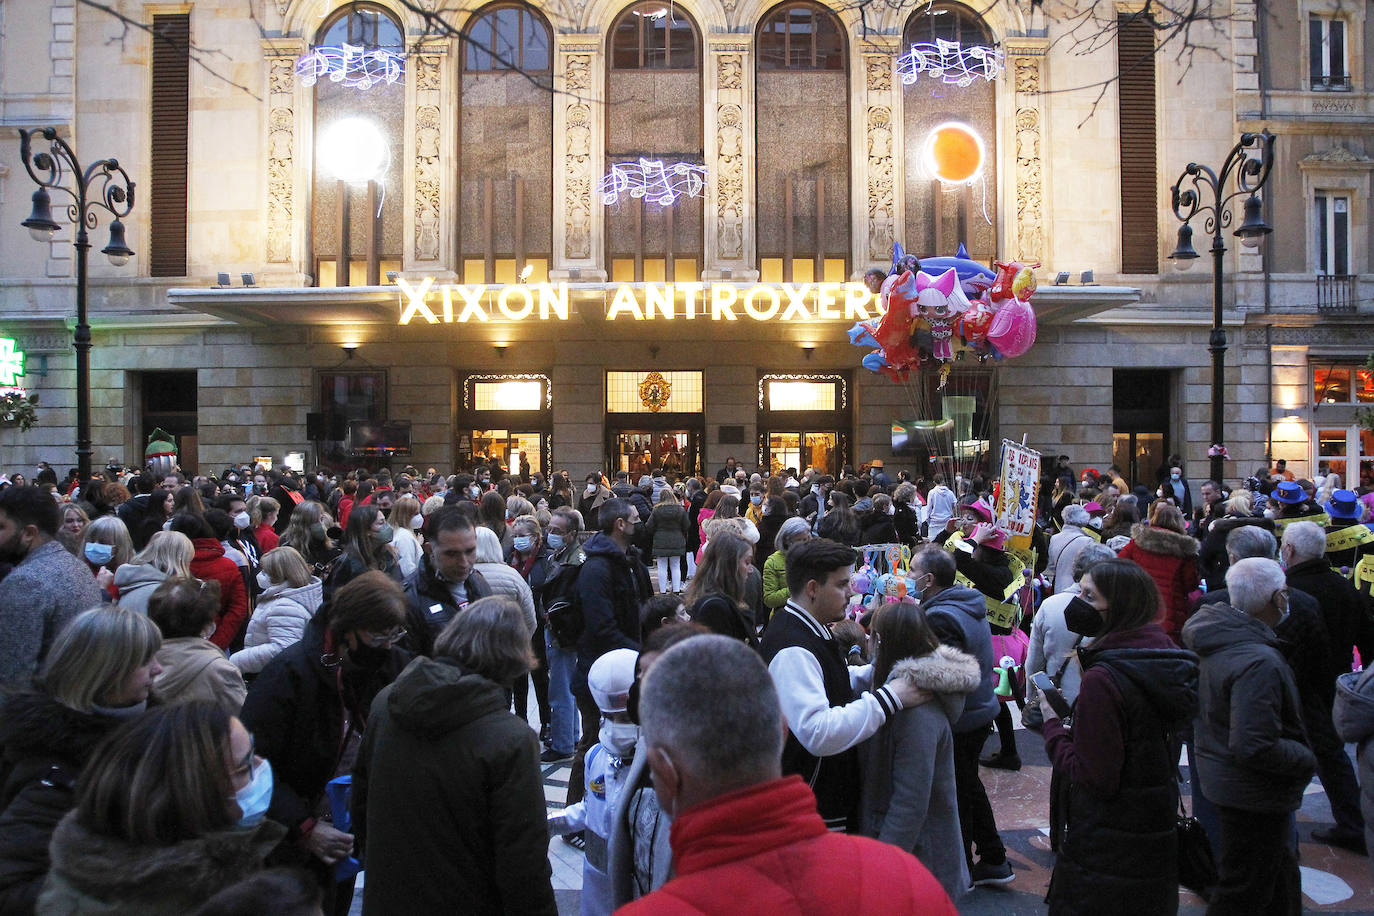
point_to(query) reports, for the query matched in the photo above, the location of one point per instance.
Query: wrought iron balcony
(1336, 294)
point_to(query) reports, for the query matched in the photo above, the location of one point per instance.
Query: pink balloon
(1012, 330)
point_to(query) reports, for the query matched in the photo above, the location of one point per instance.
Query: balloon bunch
(884, 575)
(941, 308)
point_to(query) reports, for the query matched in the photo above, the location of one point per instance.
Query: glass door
(802, 450)
(1139, 455)
(821, 452)
(506, 446)
(649, 451)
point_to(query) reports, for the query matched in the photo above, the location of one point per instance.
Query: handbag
(1197, 867)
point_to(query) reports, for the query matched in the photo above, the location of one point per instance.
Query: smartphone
(1042, 683)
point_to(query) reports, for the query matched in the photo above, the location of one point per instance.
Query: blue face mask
(254, 798)
(555, 540)
(99, 553)
(523, 542)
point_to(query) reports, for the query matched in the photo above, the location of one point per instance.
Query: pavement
(1334, 880)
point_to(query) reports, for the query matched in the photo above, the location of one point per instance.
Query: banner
(1018, 494)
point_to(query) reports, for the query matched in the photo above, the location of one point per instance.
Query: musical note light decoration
(654, 180)
(353, 66)
(950, 62)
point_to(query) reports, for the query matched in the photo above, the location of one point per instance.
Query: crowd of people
(232, 694)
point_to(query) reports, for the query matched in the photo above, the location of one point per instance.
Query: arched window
(654, 36)
(801, 36)
(942, 215)
(507, 38)
(802, 92)
(356, 223)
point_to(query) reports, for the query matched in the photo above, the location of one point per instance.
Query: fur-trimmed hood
(948, 673)
(1164, 541)
(102, 874)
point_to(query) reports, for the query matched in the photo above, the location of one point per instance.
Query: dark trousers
(1258, 870)
(540, 677)
(1334, 769)
(975, 811)
(591, 728)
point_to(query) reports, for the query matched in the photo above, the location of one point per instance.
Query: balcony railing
(1335, 293)
(1329, 83)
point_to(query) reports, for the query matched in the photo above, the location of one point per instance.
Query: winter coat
(775, 593)
(1171, 560)
(1115, 776)
(612, 588)
(1354, 719)
(448, 799)
(668, 526)
(407, 547)
(268, 539)
(196, 669)
(279, 621)
(908, 796)
(508, 583)
(44, 746)
(1063, 553)
(135, 583)
(763, 849)
(1342, 608)
(1213, 553)
(878, 528)
(959, 616)
(38, 598)
(1251, 750)
(295, 710)
(94, 874)
(431, 604)
(210, 562)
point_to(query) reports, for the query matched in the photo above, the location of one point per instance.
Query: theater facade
(623, 235)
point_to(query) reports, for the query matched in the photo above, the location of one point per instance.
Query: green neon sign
(11, 362)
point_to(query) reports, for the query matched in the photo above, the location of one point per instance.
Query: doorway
(1141, 400)
(801, 450)
(640, 452)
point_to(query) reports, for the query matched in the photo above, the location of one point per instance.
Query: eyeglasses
(379, 640)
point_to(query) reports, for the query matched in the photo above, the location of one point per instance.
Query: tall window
(171, 37)
(803, 145)
(1332, 220)
(506, 142)
(942, 215)
(653, 126)
(1326, 53)
(359, 152)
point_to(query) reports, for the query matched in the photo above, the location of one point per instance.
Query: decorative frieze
(578, 168)
(281, 166)
(1027, 70)
(427, 178)
(729, 164)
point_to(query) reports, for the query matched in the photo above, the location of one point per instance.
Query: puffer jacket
(1171, 560)
(135, 583)
(909, 797)
(1251, 750)
(505, 581)
(95, 874)
(668, 526)
(279, 621)
(1354, 719)
(959, 616)
(43, 748)
(1114, 790)
(448, 799)
(196, 669)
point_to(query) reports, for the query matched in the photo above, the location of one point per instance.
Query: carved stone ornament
(730, 158)
(281, 140)
(1029, 168)
(879, 71)
(427, 125)
(882, 201)
(427, 73)
(1359, 338)
(577, 158)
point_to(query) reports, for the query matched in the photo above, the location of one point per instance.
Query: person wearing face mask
(1114, 788)
(1177, 487)
(193, 668)
(309, 708)
(879, 526)
(448, 799)
(607, 770)
(555, 586)
(290, 598)
(366, 546)
(313, 534)
(169, 812)
(1252, 752)
(106, 546)
(589, 502)
(405, 520)
(97, 676)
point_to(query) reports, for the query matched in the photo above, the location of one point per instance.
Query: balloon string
(986, 218)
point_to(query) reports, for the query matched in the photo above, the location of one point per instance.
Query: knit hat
(1344, 506)
(610, 678)
(1289, 493)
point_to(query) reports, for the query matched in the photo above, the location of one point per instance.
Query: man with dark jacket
(1251, 751)
(445, 582)
(958, 615)
(611, 589)
(1304, 555)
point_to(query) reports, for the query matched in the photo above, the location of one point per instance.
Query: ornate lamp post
(1248, 164)
(102, 184)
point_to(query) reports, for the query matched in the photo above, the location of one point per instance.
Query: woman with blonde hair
(717, 596)
(169, 813)
(668, 527)
(405, 518)
(193, 668)
(169, 553)
(96, 677)
(74, 521)
(290, 598)
(264, 510)
(106, 546)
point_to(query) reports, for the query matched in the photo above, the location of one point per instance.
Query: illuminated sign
(11, 362)
(655, 181)
(461, 304)
(950, 62)
(355, 67)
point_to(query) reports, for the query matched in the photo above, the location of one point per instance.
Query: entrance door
(644, 451)
(801, 450)
(1140, 422)
(507, 446)
(1138, 455)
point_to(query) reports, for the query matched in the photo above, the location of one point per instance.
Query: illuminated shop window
(509, 395)
(637, 392)
(801, 395)
(1334, 383)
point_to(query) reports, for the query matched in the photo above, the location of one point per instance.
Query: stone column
(287, 214)
(579, 155)
(430, 212)
(731, 238)
(1028, 238)
(875, 155)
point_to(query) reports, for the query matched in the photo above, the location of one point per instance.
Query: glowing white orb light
(954, 153)
(354, 150)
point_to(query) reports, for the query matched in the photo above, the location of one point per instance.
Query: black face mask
(1082, 618)
(366, 658)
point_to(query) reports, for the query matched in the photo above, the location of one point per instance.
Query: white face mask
(417, 521)
(591, 488)
(242, 520)
(618, 737)
(264, 581)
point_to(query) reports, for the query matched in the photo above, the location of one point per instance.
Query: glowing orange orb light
(954, 153)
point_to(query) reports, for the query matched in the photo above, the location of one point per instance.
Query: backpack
(563, 608)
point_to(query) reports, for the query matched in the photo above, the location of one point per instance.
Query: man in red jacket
(744, 838)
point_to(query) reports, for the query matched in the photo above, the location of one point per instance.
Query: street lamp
(1249, 164)
(103, 184)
